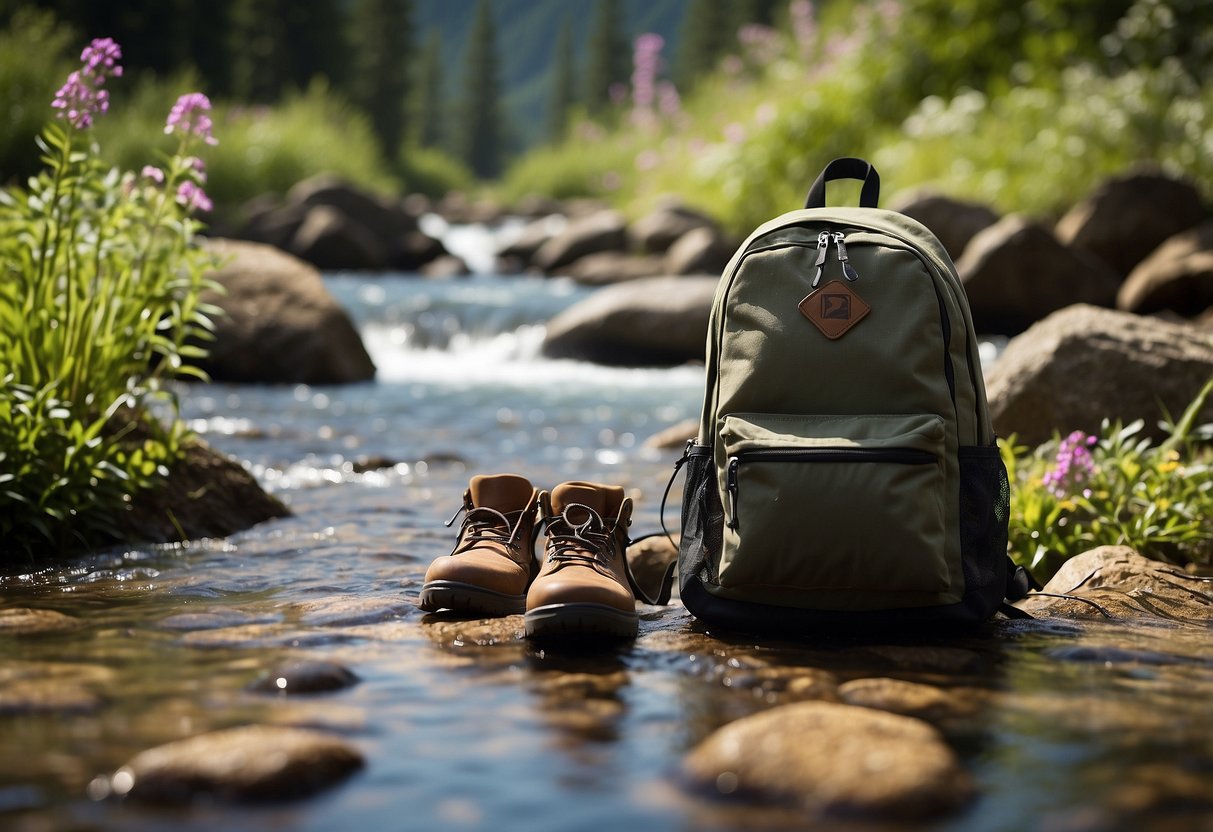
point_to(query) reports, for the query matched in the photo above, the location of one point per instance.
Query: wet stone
(214, 620)
(830, 759)
(912, 699)
(260, 635)
(343, 611)
(46, 696)
(250, 763)
(26, 621)
(305, 677)
(482, 632)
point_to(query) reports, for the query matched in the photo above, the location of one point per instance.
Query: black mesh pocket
(702, 518)
(985, 501)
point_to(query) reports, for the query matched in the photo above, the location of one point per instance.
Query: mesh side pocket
(985, 501)
(702, 518)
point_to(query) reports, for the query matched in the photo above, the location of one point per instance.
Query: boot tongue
(503, 492)
(604, 499)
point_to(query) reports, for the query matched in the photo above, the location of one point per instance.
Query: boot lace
(569, 540)
(486, 525)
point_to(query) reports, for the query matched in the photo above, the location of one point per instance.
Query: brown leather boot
(493, 562)
(584, 586)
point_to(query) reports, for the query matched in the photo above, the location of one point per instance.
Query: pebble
(831, 759)
(249, 763)
(305, 677)
(21, 621)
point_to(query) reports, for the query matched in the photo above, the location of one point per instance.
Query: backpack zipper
(895, 456)
(823, 249)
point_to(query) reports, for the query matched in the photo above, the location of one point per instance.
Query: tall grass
(100, 278)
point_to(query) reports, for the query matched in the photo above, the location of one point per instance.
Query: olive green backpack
(845, 470)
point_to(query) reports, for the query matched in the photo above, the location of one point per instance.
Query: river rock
(305, 677)
(46, 696)
(954, 221)
(521, 250)
(836, 759)
(655, 232)
(1126, 218)
(281, 325)
(268, 222)
(1125, 584)
(1016, 272)
(653, 321)
(607, 267)
(382, 217)
(701, 250)
(600, 231)
(446, 266)
(927, 702)
(1176, 277)
(1083, 364)
(328, 239)
(650, 557)
(250, 763)
(22, 621)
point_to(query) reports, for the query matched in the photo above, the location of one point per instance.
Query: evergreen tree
(562, 82)
(316, 43)
(381, 34)
(610, 57)
(708, 31)
(428, 113)
(480, 129)
(261, 67)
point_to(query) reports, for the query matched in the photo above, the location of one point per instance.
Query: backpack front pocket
(834, 503)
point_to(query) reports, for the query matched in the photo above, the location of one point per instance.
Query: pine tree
(380, 37)
(609, 58)
(480, 129)
(428, 113)
(258, 42)
(707, 32)
(562, 82)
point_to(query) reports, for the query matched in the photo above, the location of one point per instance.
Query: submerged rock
(834, 759)
(250, 763)
(27, 620)
(305, 677)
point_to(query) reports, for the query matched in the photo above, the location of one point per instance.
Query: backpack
(846, 470)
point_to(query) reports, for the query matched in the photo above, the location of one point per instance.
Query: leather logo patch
(834, 309)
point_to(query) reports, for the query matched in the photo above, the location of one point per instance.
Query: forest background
(732, 105)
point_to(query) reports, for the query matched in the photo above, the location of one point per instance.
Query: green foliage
(99, 304)
(429, 171)
(1156, 498)
(32, 55)
(479, 125)
(561, 100)
(380, 82)
(609, 55)
(265, 150)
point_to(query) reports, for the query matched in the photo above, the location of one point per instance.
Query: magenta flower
(153, 173)
(190, 116)
(81, 98)
(192, 197)
(1072, 467)
(197, 166)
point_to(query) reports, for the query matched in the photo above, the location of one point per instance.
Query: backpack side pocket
(702, 517)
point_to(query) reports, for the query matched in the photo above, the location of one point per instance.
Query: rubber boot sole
(564, 620)
(468, 599)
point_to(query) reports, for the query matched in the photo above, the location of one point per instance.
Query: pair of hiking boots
(583, 586)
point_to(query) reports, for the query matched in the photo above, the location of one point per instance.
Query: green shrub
(99, 284)
(33, 53)
(432, 172)
(1073, 494)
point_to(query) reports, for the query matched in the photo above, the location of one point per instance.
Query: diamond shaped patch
(834, 309)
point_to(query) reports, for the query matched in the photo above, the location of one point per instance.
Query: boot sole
(561, 620)
(469, 599)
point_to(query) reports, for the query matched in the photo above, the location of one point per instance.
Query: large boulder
(652, 321)
(281, 325)
(382, 217)
(265, 221)
(1084, 364)
(329, 239)
(600, 231)
(655, 232)
(521, 250)
(1016, 272)
(954, 221)
(1177, 277)
(613, 267)
(701, 250)
(1128, 217)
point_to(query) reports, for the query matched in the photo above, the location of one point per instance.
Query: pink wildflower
(81, 98)
(193, 197)
(190, 116)
(1072, 467)
(153, 173)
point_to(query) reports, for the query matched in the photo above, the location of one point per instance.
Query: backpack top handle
(846, 167)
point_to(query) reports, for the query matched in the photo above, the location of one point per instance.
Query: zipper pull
(730, 485)
(847, 270)
(823, 248)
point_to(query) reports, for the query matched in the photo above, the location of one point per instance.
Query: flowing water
(464, 725)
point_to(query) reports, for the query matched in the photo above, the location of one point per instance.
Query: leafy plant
(1073, 494)
(100, 278)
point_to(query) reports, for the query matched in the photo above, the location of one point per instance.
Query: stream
(464, 725)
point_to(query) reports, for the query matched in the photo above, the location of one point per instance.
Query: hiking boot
(493, 562)
(584, 586)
